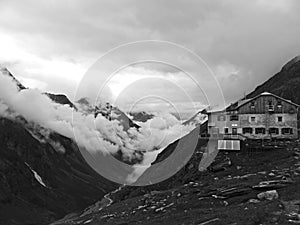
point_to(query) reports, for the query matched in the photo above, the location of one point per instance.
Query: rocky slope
(239, 188)
(66, 182)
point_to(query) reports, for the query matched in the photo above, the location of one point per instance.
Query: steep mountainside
(58, 98)
(285, 83)
(43, 176)
(5, 71)
(41, 180)
(61, 99)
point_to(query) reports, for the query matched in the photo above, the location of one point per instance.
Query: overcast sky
(51, 44)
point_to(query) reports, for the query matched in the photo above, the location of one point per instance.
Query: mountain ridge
(58, 98)
(285, 83)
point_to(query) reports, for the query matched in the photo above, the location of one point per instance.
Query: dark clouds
(244, 42)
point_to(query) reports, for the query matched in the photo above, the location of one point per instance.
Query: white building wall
(217, 122)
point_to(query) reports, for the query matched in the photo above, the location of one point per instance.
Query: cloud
(96, 135)
(60, 40)
(137, 88)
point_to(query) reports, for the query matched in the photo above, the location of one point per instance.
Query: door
(226, 130)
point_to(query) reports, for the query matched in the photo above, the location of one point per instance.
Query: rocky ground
(246, 187)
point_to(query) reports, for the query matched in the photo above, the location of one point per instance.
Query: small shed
(229, 145)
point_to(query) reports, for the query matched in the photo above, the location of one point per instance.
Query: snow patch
(88, 221)
(36, 176)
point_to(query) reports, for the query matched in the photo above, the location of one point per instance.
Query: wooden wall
(261, 103)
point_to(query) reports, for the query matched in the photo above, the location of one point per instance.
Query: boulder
(268, 195)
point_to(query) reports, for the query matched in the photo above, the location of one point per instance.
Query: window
(234, 117)
(234, 131)
(270, 106)
(287, 130)
(252, 105)
(260, 130)
(279, 118)
(279, 103)
(215, 130)
(221, 118)
(279, 106)
(247, 130)
(252, 118)
(226, 131)
(273, 130)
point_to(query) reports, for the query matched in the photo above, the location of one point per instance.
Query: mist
(94, 134)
